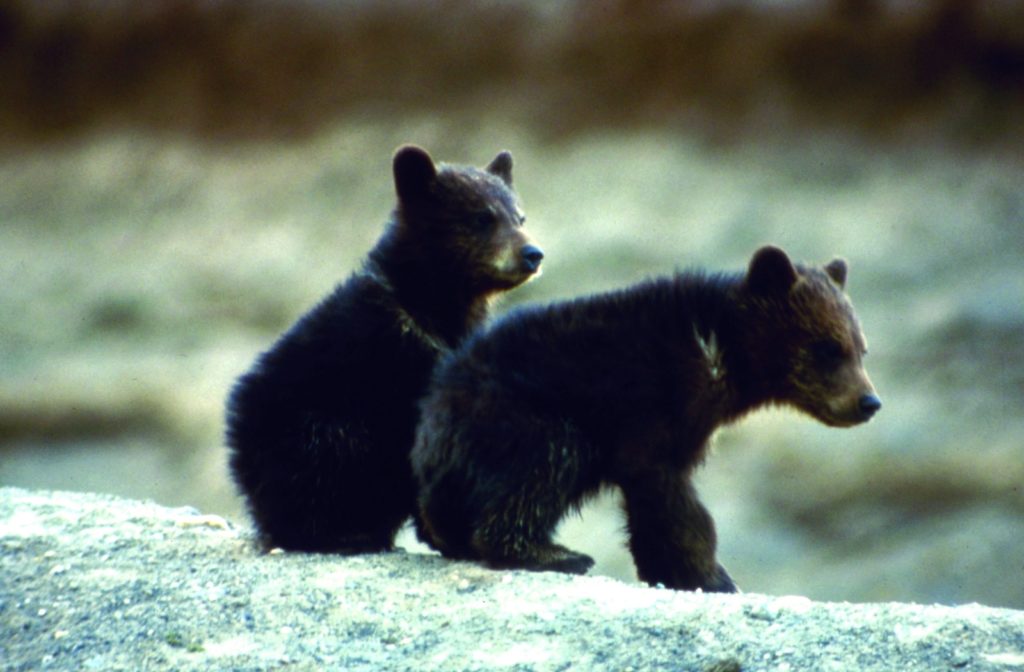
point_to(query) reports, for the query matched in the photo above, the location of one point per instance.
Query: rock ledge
(93, 582)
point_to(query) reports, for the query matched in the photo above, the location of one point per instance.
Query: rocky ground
(93, 582)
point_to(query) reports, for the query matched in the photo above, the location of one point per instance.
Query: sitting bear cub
(529, 418)
(320, 428)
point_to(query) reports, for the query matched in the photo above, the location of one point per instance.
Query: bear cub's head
(467, 219)
(809, 338)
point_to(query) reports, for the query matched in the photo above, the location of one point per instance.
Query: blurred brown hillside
(274, 68)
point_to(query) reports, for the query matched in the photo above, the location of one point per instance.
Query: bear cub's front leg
(672, 536)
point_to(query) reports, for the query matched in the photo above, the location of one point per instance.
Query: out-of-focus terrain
(180, 180)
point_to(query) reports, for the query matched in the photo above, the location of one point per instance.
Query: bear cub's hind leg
(519, 537)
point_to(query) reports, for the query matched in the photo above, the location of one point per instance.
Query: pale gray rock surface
(92, 582)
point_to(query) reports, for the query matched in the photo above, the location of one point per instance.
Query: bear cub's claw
(721, 583)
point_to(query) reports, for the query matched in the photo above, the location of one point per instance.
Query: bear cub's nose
(869, 405)
(532, 256)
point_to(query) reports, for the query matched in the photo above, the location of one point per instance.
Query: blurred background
(181, 179)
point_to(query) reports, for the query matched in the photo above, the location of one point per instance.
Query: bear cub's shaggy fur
(320, 429)
(549, 405)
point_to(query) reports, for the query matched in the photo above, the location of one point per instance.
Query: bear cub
(529, 418)
(319, 430)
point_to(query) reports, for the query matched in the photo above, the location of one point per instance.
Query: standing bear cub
(527, 420)
(319, 430)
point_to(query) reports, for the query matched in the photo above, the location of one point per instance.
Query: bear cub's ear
(770, 271)
(414, 172)
(502, 167)
(836, 270)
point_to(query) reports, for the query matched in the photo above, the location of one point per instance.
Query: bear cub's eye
(485, 219)
(828, 352)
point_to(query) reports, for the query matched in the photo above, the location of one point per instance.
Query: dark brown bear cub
(551, 404)
(320, 429)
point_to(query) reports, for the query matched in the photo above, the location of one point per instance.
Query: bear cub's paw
(549, 558)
